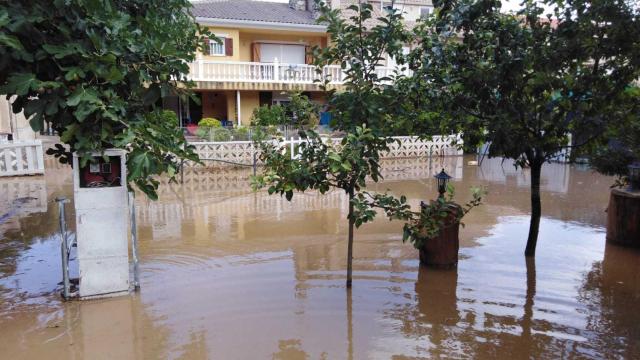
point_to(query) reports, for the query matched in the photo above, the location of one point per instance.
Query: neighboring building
(263, 56)
(13, 126)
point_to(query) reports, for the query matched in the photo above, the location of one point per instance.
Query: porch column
(238, 106)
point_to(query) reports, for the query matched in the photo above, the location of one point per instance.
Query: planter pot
(623, 218)
(442, 250)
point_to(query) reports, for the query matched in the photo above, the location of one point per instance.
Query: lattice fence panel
(242, 152)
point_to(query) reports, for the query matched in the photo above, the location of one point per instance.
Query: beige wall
(214, 104)
(231, 107)
(230, 33)
(242, 40)
(249, 100)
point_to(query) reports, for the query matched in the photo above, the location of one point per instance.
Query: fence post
(64, 247)
(134, 240)
(292, 148)
(255, 162)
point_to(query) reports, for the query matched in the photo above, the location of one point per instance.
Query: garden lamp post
(634, 175)
(442, 178)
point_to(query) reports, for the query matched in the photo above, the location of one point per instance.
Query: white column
(238, 106)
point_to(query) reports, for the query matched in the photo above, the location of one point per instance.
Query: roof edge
(269, 25)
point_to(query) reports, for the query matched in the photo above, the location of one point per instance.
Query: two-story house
(263, 55)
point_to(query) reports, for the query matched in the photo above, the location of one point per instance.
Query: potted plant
(434, 229)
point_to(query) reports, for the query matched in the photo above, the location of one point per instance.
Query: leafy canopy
(96, 71)
(525, 81)
(531, 84)
(623, 148)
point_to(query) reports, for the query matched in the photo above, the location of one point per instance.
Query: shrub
(220, 134)
(241, 133)
(169, 117)
(210, 123)
(203, 133)
(267, 115)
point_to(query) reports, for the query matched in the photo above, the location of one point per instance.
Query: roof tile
(251, 10)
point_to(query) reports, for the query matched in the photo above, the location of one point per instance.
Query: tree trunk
(350, 244)
(349, 325)
(536, 208)
(527, 317)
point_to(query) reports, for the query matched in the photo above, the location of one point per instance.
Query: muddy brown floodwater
(231, 274)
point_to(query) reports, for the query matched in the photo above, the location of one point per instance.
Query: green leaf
(20, 84)
(11, 42)
(60, 51)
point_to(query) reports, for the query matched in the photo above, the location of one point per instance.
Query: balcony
(204, 71)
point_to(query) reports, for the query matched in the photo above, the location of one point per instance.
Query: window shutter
(308, 56)
(228, 47)
(255, 52)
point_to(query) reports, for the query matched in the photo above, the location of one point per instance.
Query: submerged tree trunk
(350, 244)
(536, 208)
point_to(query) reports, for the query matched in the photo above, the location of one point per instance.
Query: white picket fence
(21, 158)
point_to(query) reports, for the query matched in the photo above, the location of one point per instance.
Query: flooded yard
(231, 274)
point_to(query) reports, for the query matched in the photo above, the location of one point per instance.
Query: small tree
(96, 70)
(360, 110)
(525, 83)
(303, 111)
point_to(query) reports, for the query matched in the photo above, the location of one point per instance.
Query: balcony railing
(257, 72)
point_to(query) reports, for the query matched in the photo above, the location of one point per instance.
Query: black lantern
(634, 175)
(442, 178)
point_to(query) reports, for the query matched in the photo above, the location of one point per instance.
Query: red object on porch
(192, 128)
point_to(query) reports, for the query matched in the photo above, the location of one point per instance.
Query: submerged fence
(247, 153)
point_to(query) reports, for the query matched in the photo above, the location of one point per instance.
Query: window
(425, 11)
(217, 48)
(283, 53)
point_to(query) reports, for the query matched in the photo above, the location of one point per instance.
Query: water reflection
(231, 274)
(611, 291)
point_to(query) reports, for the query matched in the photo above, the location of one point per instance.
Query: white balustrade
(233, 71)
(21, 158)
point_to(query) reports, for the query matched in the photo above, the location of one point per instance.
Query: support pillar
(238, 108)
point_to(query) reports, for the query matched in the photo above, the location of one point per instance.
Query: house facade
(263, 55)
